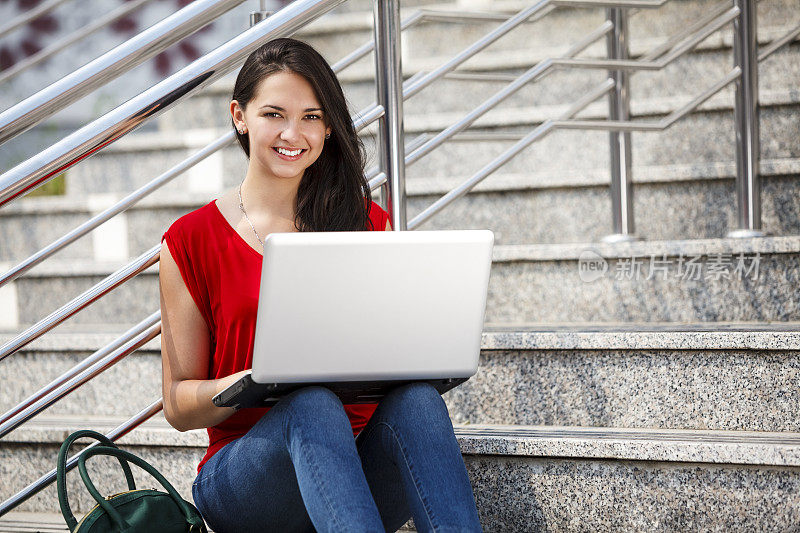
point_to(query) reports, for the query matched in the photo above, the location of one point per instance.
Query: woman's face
(285, 125)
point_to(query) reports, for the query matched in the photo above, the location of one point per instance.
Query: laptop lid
(380, 305)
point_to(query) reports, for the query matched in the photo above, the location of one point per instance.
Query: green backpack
(136, 510)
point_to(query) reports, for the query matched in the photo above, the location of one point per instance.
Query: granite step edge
(498, 182)
(503, 253)
(651, 107)
(651, 445)
(773, 336)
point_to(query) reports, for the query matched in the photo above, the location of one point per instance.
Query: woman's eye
(272, 114)
(313, 117)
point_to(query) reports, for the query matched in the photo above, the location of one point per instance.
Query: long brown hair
(333, 194)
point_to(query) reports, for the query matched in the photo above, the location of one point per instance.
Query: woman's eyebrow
(282, 109)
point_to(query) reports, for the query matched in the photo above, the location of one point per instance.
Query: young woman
(296, 466)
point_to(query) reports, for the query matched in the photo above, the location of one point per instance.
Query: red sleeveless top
(223, 275)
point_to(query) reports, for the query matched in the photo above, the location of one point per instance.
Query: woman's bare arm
(185, 355)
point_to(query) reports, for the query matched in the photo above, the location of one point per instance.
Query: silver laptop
(362, 312)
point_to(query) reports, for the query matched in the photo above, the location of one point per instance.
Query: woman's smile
(289, 154)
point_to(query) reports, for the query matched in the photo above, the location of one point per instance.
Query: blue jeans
(300, 469)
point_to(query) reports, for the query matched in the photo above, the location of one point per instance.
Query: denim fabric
(300, 469)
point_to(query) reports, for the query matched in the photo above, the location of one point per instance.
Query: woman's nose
(290, 131)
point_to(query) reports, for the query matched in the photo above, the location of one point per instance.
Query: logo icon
(591, 266)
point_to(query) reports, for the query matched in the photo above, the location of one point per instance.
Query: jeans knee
(313, 399)
(419, 398)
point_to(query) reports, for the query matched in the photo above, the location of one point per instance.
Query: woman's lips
(289, 154)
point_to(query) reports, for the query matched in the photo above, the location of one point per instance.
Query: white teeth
(290, 153)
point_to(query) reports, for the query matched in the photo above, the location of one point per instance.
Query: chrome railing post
(389, 87)
(619, 110)
(261, 14)
(748, 189)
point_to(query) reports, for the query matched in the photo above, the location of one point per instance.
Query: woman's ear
(237, 113)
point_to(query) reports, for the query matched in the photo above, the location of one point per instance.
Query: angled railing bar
(540, 8)
(542, 130)
(30, 15)
(367, 117)
(611, 3)
(476, 76)
(775, 45)
(110, 65)
(374, 173)
(127, 117)
(421, 15)
(658, 51)
(377, 181)
(461, 16)
(633, 64)
(84, 299)
(120, 431)
(131, 199)
(416, 142)
(529, 14)
(475, 136)
(539, 70)
(117, 208)
(368, 47)
(76, 381)
(44, 54)
(669, 120)
(80, 367)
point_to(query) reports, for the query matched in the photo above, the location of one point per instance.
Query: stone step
(684, 78)
(701, 138)
(540, 207)
(704, 280)
(687, 75)
(16, 522)
(524, 477)
(337, 35)
(634, 376)
(22, 522)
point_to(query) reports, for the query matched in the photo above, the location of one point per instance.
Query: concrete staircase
(660, 395)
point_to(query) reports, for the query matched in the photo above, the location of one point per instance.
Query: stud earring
(327, 135)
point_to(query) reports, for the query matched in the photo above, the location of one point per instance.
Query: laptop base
(248, 393)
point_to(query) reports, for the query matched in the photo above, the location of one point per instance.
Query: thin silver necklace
(241, 206)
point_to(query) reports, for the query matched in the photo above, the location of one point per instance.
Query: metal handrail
(30, 15)
(565, 123)
(538, 71)
(86, 298)
(117, 433)
(529, 14)
(80, 367)
(115, 209)
(778, 43)
(660, 125)
(506, 156)
(544, 67)
(656, 64)
(96, 25)
(670, 43)
(127, 117)
(83, 376)
(148, 329)
(110, 65)
(417, 17)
